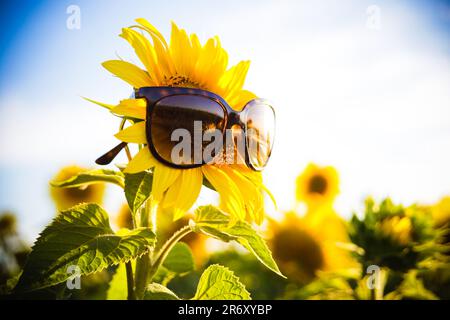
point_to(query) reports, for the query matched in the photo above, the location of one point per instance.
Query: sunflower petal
(231, 197)
(233, 79)
(211, 63)
(132, 108)
(160, 45)
(145, 51)
(191, 186)
(182, 52)
(181, 196)
(133, 134)
(128, 72)
(143, 160)
(240, 99)
(173, 193)
(163, 178)
(151, 29)
(250, 192)
(256, 178)
(196, 46)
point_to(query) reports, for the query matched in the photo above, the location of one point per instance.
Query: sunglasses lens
(259, 119)
(177, 125)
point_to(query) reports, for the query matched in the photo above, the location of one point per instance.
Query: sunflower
(317, 186)
(441, 212)
(8, 223)
(65, 198)
(185, 62)
(124, 218)
(397, 229)
(304, 246)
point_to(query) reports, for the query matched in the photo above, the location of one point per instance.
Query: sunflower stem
(164, 251)
(142, 266)
(144, 263)
(130, 281)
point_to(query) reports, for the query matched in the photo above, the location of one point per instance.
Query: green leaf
(215, 223)
(138, 187)
(118, 288)
(80, 237)
(219, 283)
(90, 177)
(156, 291)
(180, 259)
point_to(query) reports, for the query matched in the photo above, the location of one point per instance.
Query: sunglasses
(175, 115)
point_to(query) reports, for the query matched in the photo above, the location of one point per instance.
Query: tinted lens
(259, 119)
(177, 126)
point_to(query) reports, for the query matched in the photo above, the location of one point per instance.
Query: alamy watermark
(73, 21)
(374, 280)
(74, 280)
(373, 20)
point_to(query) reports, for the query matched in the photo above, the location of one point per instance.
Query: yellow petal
(181, 196)
(230, 195)
(160, 45)
(163, 178)
(151, 29)
(211, 64)
(181, 52)
(256, 178)
(145, 51)
(128, 72)
(250, 192)
(132, 108)
(133, 134)
(240, 99)
(233, 79)
(143, 160)
(196, 47)
(172, 194)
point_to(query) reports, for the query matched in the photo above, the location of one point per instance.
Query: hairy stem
(142, 266)
(128, 266)
(164, 251)
(144, 263)
(130, 281)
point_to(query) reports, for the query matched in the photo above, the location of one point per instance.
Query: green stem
(142, 266)
(144, 263)
(128, 266)
(130, 281)
(164, 251)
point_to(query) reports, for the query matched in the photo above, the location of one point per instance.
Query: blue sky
(374, 103)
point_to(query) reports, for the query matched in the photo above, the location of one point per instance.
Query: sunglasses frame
(231, 117)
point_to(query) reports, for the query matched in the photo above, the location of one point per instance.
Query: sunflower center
(318, 184)
(79, 194)
(181, 81)
(295, 245)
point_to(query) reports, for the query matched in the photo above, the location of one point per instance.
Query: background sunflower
(313, 243)
(65, 198)
(317, 186)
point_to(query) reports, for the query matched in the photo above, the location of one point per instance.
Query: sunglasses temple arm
(111, 154)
